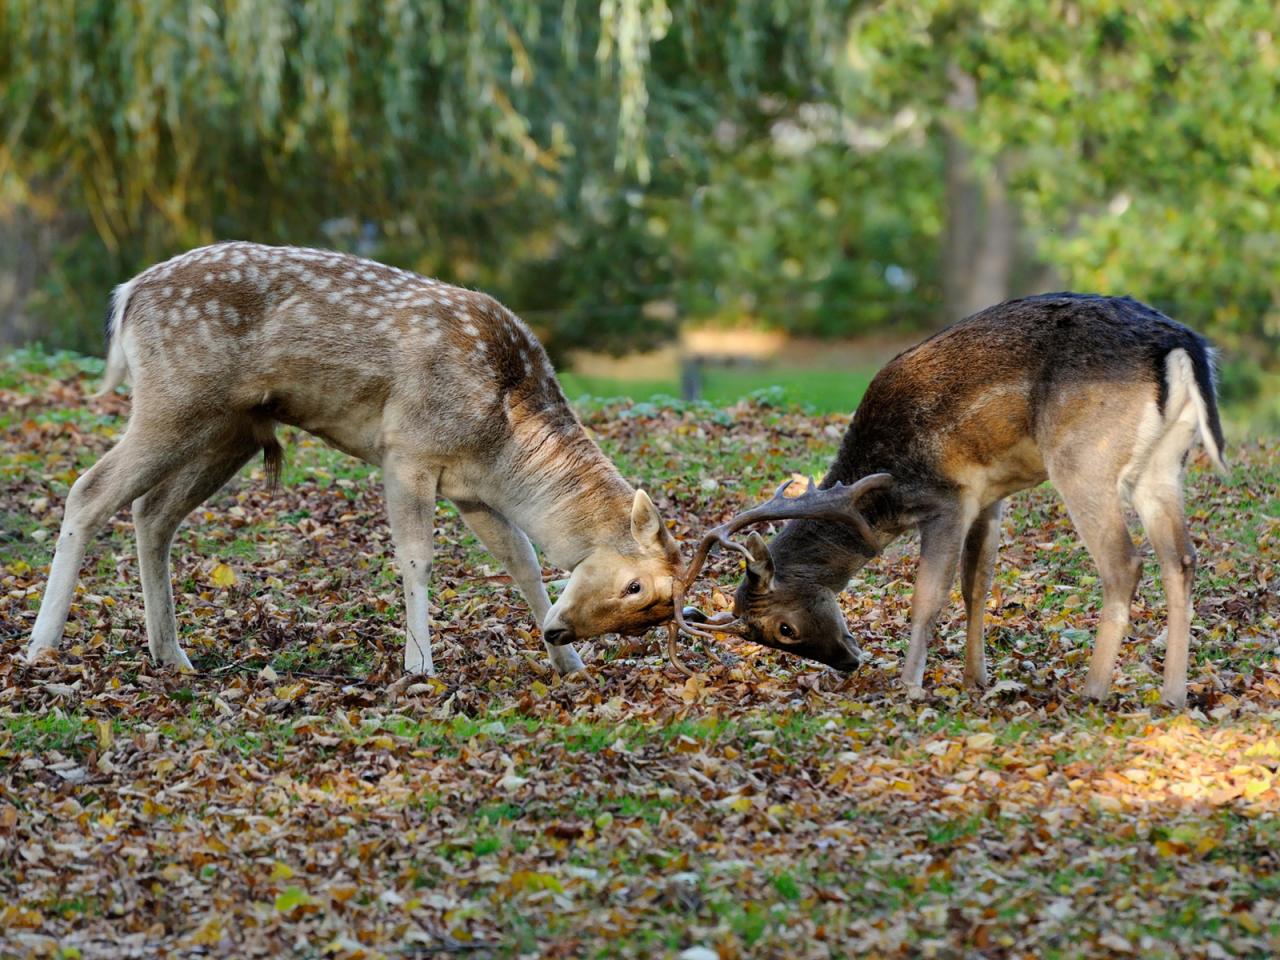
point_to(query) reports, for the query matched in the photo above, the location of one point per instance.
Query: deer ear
(646, 522)
(760, 566)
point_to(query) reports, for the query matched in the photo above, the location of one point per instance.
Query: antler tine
(721, 534)
(838, 502)
(680, 586)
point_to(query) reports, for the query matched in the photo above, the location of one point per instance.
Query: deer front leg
(978, 564)
(940, 541)
(411, 504)
(512, 549)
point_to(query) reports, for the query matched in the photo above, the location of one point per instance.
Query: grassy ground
(282, 802)
(823, 391)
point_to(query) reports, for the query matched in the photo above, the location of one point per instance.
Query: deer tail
(117, 363)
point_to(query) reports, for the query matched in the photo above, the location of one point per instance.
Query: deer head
(622, 587)
(785, 612)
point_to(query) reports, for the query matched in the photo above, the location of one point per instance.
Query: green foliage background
(611, 168)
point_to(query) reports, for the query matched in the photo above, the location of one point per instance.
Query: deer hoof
(976, 683)
(1097, 691)
(38, 651)
(1176, 698)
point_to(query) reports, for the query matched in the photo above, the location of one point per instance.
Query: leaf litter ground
(291, 798)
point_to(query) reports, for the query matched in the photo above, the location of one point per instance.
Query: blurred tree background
(613, 169)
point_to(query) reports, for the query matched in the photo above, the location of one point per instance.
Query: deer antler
(838, 503)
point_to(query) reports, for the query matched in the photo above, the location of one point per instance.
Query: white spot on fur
(471, 330)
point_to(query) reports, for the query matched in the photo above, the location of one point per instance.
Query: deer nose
(558, 636)
(853, 654)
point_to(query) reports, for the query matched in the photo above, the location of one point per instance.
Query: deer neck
(829, 552)
(822, 551)
(561, 490)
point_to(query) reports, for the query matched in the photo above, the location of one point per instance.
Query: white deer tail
(117, 363)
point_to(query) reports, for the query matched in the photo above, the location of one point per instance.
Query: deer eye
(786, 630)
(632, 588)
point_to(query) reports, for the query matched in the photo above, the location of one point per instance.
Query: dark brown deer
(443, 388)
(1102, 396)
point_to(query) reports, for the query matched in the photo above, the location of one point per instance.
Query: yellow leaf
(208, 933)
(539, 688)
(105, 734)
(1264, 748)
(223, 576)
(291, 691)
(1247, 920)
(1253, 788)
(530, 880)
(281, 871)
(291, 897)
(694, 687)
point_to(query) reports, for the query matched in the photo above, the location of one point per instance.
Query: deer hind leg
(156, 516)
(411, 506)
(1157, 496)
(1098, 514)
(940, 542)
(977, 566)
(512, 549)
(130, 468)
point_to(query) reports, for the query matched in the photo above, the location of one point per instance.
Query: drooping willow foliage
(469, 134)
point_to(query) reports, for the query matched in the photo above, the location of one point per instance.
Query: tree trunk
(980, 241)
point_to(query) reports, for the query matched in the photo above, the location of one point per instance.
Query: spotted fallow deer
(445, 389)
(1102, 396)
